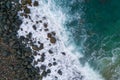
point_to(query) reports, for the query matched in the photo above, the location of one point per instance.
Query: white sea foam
(68, 63)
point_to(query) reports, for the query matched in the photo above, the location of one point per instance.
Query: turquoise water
(103, 43)
(95, 26)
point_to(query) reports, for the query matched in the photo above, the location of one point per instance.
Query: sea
(87, 30)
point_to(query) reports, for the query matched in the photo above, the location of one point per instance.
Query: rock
(53, 33)
(34, 27)
(44, 73)
(27, 10)
(29, 35)
(52, 40)
(45, 25)
(35, 63)
(40, 21)
(49, 64)
(46, 29)
(24, 2)
(43, 67)
(42, 57)
(35, 47)
(41, 46)
(59, 72)
(48, 71)
(29, 2)
(54, 63)
(63, 53)
(35, 3)
(49, 35)
(50, 51)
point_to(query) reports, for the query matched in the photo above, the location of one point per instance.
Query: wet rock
(52, 40)
(49, 64)
(29, 2)
(44, 73)
(42, 57)
(29, 35)
(49, 35)
(59, 72)
(48, 71)
(35, 53)
(63, 53)
(38, 42)
(46, 29)
(41, 46)
(44, 18)
(56, 78)
(54, 63)
(35, 3)
(40, 21)
(54, 59)
(43, 67)
(35, 63)
(45, 25)
(34, 27)
(24, 2)
(37, 22)
(50, 51)
(53, 33)
(27, 10)
(35, 47)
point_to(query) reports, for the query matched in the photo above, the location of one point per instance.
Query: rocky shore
(15, 57)
(31, 47)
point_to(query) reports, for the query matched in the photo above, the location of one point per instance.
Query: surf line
(42, 26)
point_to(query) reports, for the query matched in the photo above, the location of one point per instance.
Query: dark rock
(43, 67)
(35, 3)
(63, 53)
(54, 59)
(46, 29)
(38, 42)
(48, 71)
(41, 46)
(54, 63)
(35, 63)
(37, 22)
(53, 33)
(50, 51)
(44, 73)
(45, 25)
(35, 47)
(40, 21)
(49, 64)
(49, 35)
(59, 72)
(29, 35)
(34, 27)
(27, 10)
(42, 57)
(52, 40)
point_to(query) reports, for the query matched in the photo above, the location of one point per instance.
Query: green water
(95, 29)
(103, 43)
